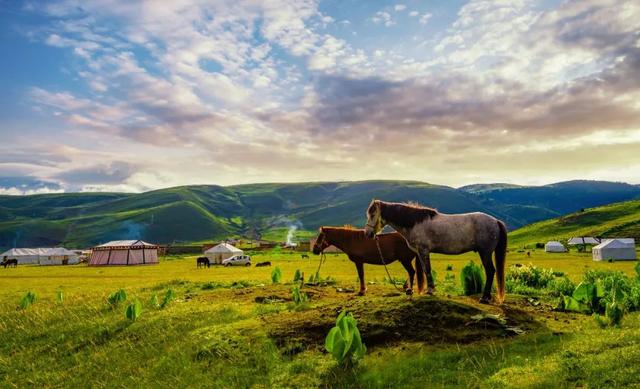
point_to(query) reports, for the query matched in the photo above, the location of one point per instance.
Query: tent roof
(124, 244)
(224, 248)
(583, 240)
(554, 243)
(43, 251)
(614, 244)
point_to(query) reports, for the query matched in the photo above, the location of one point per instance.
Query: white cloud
(413, 14)
(424, 19)
(399, 7)
(382, 17)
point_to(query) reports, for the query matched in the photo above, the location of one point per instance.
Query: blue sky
(131, 96)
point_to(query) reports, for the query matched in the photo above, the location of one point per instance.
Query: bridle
(378, 223)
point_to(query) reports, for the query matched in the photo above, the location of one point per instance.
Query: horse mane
(406, 215)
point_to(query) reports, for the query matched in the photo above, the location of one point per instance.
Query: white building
(616, 249)
(41, 256)
(217, 254)
(554, 246)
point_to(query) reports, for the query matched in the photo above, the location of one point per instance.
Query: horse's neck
(340, 241)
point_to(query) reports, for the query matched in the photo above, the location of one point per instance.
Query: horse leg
(425, 263)
(408, 285)
(489, 271)
(363, 287)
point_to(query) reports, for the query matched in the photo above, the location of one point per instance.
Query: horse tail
(501, 258)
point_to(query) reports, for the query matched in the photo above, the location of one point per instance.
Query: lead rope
(385, 264)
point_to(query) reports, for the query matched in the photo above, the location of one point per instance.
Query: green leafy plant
(298, 296)
(169, 296)
(297, 277)
(529, 276)
(117, 297)
(562, 286)
(276, 275)
(449, 267)
(471, 279)
(59, 297)
(28, 299)
(614, 311)
(134, 310)
(153, 301)
(344, 341)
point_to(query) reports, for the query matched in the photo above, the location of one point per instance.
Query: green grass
(207, 212)
(614, 220)
(216, 334)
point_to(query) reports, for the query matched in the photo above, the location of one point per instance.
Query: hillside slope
(207, 212)
(614, 220)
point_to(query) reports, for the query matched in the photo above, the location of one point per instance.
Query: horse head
(374, 219)
(321, 242)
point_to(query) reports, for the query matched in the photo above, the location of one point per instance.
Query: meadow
(232, 327)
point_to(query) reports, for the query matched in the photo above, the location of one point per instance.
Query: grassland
(230, 327)
(204, 212)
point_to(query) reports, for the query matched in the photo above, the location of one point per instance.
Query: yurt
(124, 252)
(217, 254)
(554, 246)
(41, 256)
(616, 249)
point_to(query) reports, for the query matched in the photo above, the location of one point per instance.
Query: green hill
(207, 212)
(614, 220)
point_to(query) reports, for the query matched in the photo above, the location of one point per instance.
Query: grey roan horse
(429, 231)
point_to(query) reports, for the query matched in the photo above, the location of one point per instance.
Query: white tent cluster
(42, 256)
(623, 249)
(124, 252)
(217, 254)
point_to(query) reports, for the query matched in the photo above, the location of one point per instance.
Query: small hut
(124, 252)
(554, 246)
(217, 254)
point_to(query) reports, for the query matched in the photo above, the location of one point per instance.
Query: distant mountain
(621, 220)
(208, 212)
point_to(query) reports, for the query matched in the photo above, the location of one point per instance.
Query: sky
(103, 95)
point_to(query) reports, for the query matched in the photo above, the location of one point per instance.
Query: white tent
(42, 256)
(617, 249)
(553, 246)
(583, 240)
(222, 251)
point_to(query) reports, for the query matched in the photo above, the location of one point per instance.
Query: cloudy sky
(132, 96)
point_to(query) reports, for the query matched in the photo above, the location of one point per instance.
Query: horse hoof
(409, 291)
(431, 291)
(362, 292)
(485, 300)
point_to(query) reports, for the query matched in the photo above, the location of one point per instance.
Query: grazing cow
(203, 261)
(261, 264)
(305, 256)
(10, 263)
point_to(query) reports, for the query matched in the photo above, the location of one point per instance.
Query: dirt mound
(384, 321)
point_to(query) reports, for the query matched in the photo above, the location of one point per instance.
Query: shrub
(276, 275)
(562, 286)
(133, 310)
(117, 297)
(297, 277)
(471, 279)
(449, 267)
(28, 299)
(530, 276)
(614, 284)
(344, 341)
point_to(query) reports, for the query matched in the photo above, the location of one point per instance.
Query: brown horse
(429, 231)
(361, 250)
